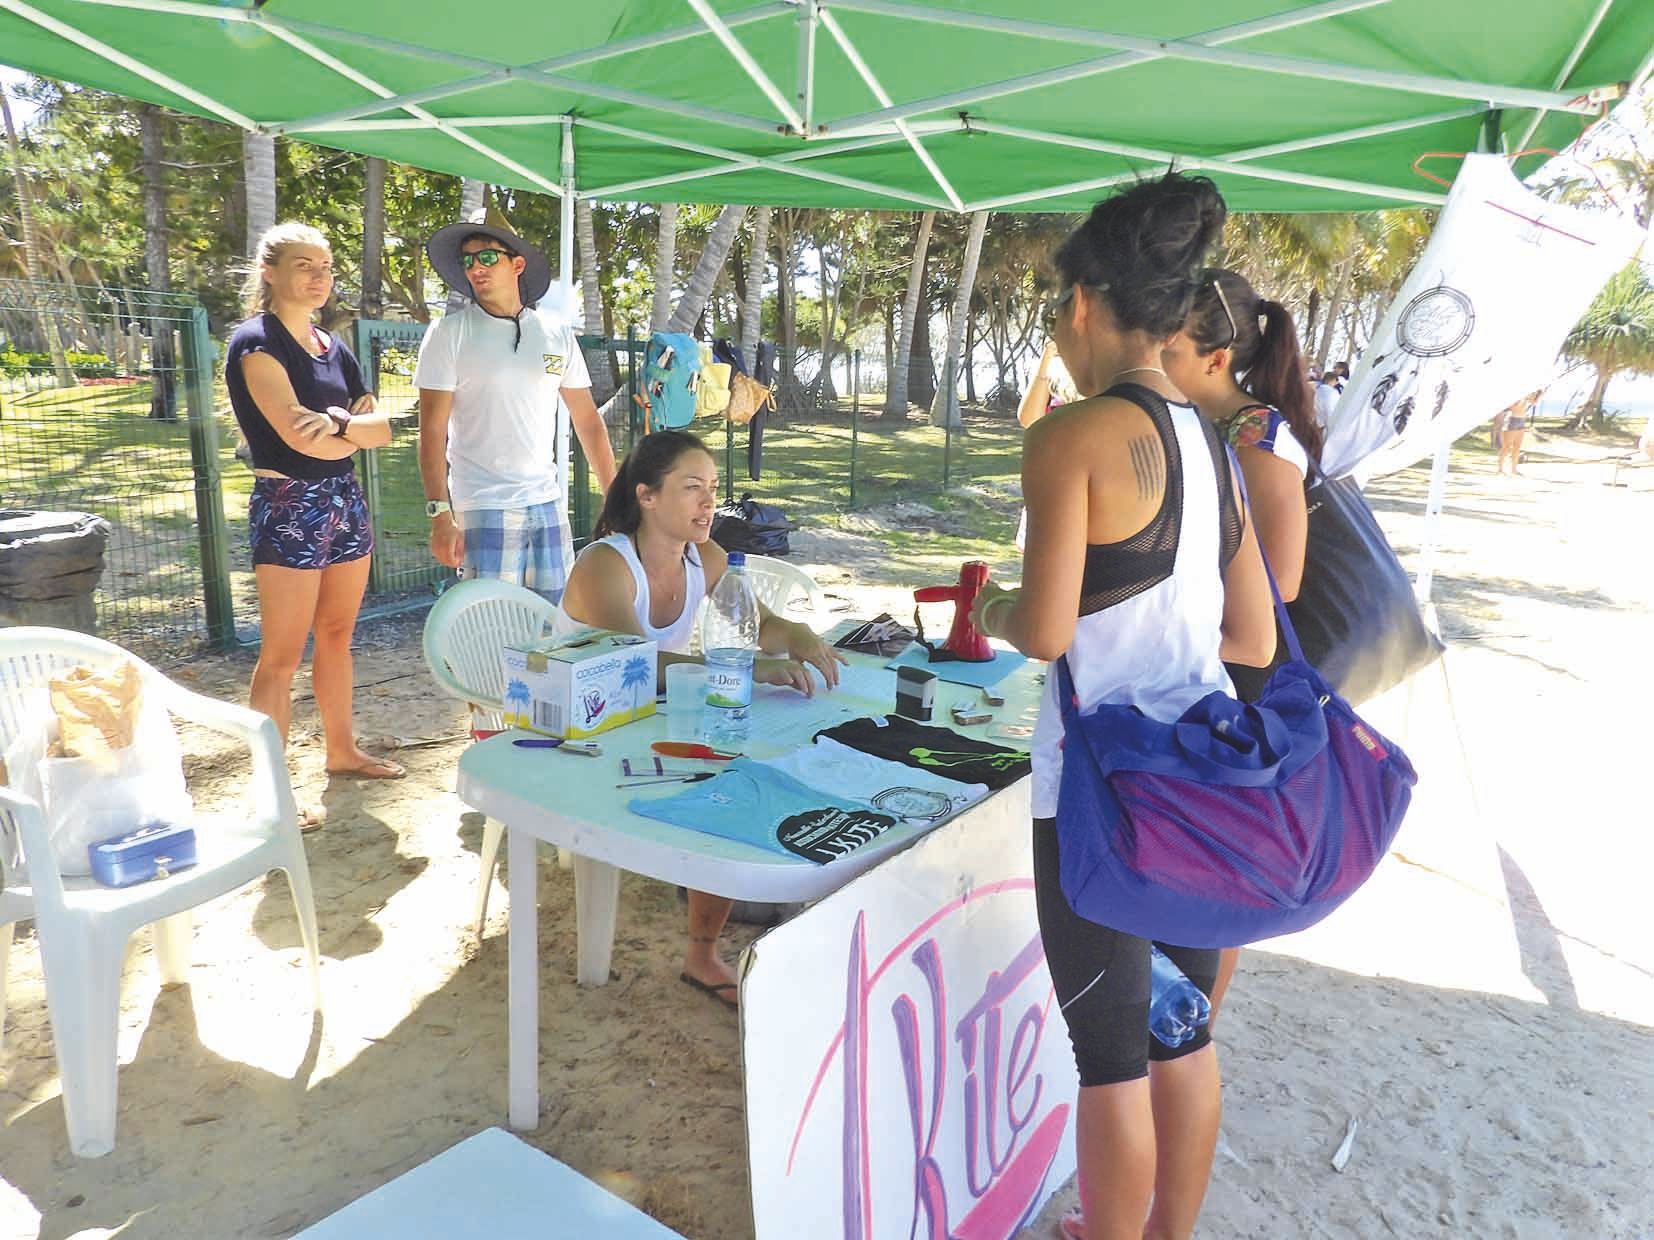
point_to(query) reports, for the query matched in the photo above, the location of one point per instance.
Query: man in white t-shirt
(1327, 391)
(489, 379)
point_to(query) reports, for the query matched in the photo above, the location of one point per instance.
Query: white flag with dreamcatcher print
(1479, 321)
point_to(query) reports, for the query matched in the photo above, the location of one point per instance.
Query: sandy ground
(1482, 1010)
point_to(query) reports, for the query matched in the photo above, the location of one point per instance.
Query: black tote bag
(1355, 613)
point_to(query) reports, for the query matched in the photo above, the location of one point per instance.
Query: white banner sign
(1478, 324)
(908, 1072)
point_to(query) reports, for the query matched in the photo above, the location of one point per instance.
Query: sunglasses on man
(487, 258)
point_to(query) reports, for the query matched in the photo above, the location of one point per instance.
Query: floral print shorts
(308, 522)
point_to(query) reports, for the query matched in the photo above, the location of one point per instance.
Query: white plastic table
(572, 801)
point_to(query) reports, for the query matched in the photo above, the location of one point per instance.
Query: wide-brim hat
(443, 251)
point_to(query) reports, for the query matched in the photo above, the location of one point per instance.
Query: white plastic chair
(464, 634)
(82, 926)
(776, 580)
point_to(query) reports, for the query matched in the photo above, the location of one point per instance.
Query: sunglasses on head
(1234, 329)
(486, 257)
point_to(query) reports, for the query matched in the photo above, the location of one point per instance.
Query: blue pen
(586, 749)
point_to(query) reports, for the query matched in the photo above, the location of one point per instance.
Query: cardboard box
(579, 684)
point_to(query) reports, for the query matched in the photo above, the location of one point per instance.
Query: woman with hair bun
(1142, 570)
(652, 563)
(304, 409)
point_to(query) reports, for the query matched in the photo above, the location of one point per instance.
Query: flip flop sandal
(312, 819)
(717, 990)
(371, 770)
(1071, 1226)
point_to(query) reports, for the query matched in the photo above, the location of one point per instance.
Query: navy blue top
(330, 378)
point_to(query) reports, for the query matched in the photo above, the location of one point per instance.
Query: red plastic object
(964, 642)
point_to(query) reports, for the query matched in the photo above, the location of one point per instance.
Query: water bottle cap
(737, 559)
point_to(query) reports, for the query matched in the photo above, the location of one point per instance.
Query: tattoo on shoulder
(1148, 463)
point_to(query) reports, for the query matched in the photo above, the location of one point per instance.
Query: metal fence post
(367, 356)
(855, 418)
(214, 539)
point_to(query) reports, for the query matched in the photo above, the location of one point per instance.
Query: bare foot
(359, 764)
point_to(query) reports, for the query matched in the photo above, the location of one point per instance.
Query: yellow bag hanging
(746, 397)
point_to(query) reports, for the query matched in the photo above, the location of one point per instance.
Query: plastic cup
(685, 700)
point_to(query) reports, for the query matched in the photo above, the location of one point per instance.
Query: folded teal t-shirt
(758, 805)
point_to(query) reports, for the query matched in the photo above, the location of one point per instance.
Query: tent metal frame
(890, 123)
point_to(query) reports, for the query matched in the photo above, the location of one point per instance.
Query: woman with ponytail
(651, 564)
(1141, 571)
(1249, 380)
(1237, 358)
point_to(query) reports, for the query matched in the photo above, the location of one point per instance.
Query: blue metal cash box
(154, 850)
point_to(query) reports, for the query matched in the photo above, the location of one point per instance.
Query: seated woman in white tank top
(652, 564)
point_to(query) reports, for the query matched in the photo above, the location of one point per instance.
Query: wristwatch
(341, 420)
(434, 508)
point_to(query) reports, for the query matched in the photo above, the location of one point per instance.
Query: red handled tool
(689, 749)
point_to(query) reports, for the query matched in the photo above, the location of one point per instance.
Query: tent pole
(114, 56)
(1103, 64)
(757, 161)
(812, 151)
(883, 96)
(749, 66)
(805, 77)
(1151, 155)
(1262, 62)
(1568, 67)
(565, 282)
(1436, 498)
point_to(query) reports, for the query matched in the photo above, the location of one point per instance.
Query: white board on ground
(907, 1070)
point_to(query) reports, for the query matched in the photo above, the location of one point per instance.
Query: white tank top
(1158, 650)
(673, 638)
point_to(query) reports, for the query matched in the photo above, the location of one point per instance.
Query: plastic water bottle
(729, 643)
(1177, 1008)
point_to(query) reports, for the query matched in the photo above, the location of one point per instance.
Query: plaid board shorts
(309, 523)
(529, 546)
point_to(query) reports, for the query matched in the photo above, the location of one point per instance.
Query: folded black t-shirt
(941, 751)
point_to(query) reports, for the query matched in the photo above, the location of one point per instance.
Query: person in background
(490, 376)
(1515, 429)
(1237, 358)
(1327, 390)
(649, 568)
(1142, 570)
(304, 410)
(1049, 388)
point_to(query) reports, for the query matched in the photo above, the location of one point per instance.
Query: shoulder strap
(1291, 634)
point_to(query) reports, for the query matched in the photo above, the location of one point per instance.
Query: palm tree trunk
(944, 410)
(373, 240)
(786, 305)
(753, 308)
(31, 256)
(472, 196)
(258, 181)
(591, 294)
(162, 400)
(895, 397)
(666, 257)
(1335, 303)
(1591, 410)
(712, 258)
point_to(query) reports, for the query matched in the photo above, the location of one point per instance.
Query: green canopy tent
(894, 104)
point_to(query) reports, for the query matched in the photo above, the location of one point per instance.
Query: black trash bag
(1356, 615)
(746, 525)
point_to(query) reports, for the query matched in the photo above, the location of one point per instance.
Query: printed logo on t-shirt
(1003, 760)
(554, 363)
(918, 804)
(823, 835)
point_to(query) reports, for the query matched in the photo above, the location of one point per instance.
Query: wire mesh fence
(140, 433)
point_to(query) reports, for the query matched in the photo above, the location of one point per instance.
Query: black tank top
(1117, 571)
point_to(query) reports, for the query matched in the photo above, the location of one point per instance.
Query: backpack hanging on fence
(671, 370)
